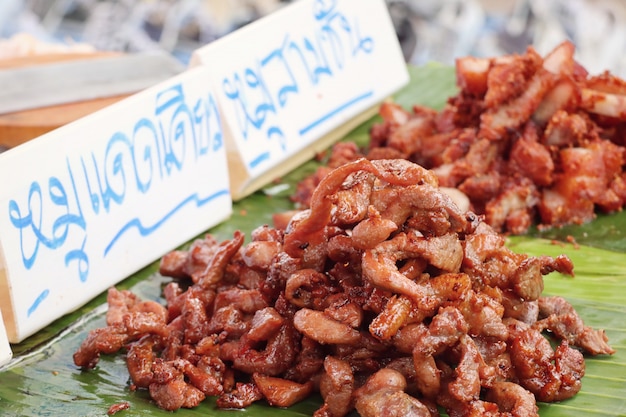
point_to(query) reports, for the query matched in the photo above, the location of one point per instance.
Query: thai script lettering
(260, 94)
(55, 213)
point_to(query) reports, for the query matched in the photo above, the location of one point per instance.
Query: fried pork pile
(528, 139)
(384, 297)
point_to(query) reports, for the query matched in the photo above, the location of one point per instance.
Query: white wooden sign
(88, 204)
(5, 348)
(287, 82)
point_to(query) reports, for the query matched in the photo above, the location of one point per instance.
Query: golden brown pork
(384, 295)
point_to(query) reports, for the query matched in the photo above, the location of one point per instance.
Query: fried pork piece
(551, 375)
(385, 297)
(559, 317)
(128, 318)
(180, 264)
(383, 396)
(530, 140)
(115, 408)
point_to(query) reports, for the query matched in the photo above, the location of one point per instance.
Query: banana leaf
(43, 381)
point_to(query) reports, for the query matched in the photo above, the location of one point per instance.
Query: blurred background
(32, 31)
(438, 30)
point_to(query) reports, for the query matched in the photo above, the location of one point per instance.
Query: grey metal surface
(80, 80)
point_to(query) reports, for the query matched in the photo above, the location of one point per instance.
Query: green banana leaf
(43, 381)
